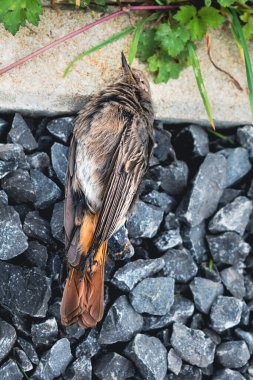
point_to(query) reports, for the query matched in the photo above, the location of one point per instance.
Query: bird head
(134, 76)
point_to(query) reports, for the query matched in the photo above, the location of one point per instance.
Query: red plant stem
(83, 29)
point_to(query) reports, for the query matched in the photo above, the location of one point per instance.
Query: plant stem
(83, 29)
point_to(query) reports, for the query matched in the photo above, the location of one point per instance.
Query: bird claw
(85, 264)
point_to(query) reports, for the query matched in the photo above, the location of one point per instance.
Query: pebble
(12, 157)
(3, 198)
(247, 336)
(238, 164)
(144, 221)
(36, 254)
(119, 245)
(21, 134)
(174, 362)
(194, 240)
(181, 310)
(44, 333)
(89, 346)
(25, 291)
(232, 217)
(61, 128)
(202, 201)
(153, 295)
(80, 369)
(167, 240)
(59, 156)
(149, 355)
(10, 371)
(126, 277)
(13, 241)
(187, 372)
(57, 222)
(19, 187)
(225, 313)
(233, 354)
(233, 281)
(245, 138)
(193, 346)
(121, 323)
(174, 178)
(160, 199)
(228, 374)
(228, 248)
(195, 141)
(39, 161)
(37, 228)
(29, 350)
(205, 293)
(179, 264)
(8, 338)
(163, 149)
(22, 360)
(229, 195)
(113, 366)
(47, 192)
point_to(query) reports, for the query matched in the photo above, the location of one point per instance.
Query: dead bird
(109, 153)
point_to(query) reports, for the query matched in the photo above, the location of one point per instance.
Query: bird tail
(83, 301)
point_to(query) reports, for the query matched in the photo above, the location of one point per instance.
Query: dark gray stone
(61, 128)
(3, 198)
(250, 191)
(149, 355)
(247, 336)
(208, 186)
(174, 178)
(233, 281)
(80, 369)
(29, 350)
(47, 192)
(168, 239)
(21, 324)
(194, 140)
(39, 161)
(12, 239)
(10, 371)
(163, 148)
(59, 156)
(8, 338)
(194, 241)
(181, 310)
(238, 164)
(25, 291)
(44, 333)
(171, 222)
(19, 187)
(229, 195)
(245, 317)
(179, 264)
(113, 366)
(160, 199)
(193, 346)
(12, 157)
(228, 248)
(73, 332)
(233, 354)
(174, 362)
(144, 221)
(187, 372)
(205, 293)
(228, 374)
(232, 217)
(245, 138)
(119, 246)
(89, 346)
(21, 134)
(121, 323)
(22, 360)
(37, 228)
(225, 313)
(36, 254)
(57, 222)
(248, 283)
(54, 362)
(153, 295)
(130, 274)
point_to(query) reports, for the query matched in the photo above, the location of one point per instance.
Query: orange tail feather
(83, 302)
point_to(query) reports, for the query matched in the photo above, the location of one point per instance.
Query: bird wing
(128, 165)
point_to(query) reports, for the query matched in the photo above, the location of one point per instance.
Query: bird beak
(125, 65)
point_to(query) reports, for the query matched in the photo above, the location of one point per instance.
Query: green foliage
(14, 14)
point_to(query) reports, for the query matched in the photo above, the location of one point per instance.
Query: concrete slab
(38, 87)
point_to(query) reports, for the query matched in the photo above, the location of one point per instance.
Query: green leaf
(197, 28)
(147, 45)
(172, 40)
(200, 82)
(211, 16)
(238, 31)
(248, 31)
(14, 14)
(185, 14)
(108, 41)
(227, 3)
(208, 3)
